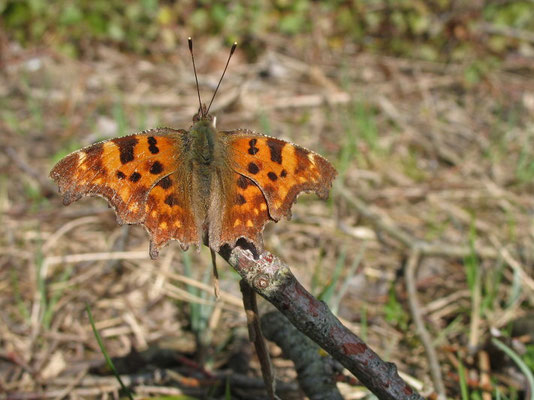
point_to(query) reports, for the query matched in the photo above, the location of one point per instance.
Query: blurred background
(425, 247)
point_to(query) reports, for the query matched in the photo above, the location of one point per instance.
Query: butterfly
(197, 185)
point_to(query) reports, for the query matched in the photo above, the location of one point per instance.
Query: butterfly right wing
(139, 175)
(244, 215)
(282, 170)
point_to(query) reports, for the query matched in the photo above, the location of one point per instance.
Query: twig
(273, 280)
(525, 278)
(256, 336)
(415, 308)
(484, 365)
(53, 239)
(74, 382)
(159, 375)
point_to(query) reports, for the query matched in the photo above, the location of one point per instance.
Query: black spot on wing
(152, 142)
(156, 168)
(253, 168)
(165, 183)
(135, 177)
(253, 149)
(171, 200)
(126, 147)
(242, 182)
(240, 199)
(272, 176)
(121, 175)
(275, 147)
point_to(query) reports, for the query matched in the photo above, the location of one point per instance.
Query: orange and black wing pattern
(281, 170)
(245, 213)
(136, 174)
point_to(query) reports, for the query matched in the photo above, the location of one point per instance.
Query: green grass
(359, 125)
(394, 311)
(411, 168)
(528, 357)
(102, 347)
(464, 390)
(327, 293)
(55, 297)
(317, 276)
(47, 300)
(120, 118)
(265, 123)
(484, 284)
(520, 363)
(471, 263)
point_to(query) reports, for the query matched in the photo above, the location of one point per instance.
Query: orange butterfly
(198, 184)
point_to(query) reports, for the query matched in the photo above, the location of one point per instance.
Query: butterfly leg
(216, 288)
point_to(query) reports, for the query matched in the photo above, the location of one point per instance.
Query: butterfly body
(210, 174)
(197, 185)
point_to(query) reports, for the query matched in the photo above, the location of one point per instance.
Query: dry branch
(273, 280)
(423, 334)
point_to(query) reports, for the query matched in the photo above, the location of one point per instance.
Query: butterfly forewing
(281, 169)
(124, 171)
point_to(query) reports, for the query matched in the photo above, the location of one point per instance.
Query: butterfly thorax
(203, 142)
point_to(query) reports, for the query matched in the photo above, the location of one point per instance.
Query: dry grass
(430, 164)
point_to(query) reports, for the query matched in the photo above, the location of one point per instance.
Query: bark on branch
(273, 280)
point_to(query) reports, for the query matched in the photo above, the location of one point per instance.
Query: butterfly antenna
(190, 41)
(222, 76)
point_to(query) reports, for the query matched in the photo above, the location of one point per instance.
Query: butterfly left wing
(282, 170)
(141, 177)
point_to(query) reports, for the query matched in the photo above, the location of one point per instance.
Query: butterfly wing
(245, 213)
(139, 175)
(281, 170)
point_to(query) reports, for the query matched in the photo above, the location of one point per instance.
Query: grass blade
(106, 355)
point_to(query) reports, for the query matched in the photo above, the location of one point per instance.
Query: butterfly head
(203, 115)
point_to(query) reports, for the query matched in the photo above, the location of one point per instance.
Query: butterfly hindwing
(245, 213)
(169, 214)
(281, 169)
(125, 172)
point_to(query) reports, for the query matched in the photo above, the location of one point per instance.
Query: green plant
(102, 347)
(394, 311)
